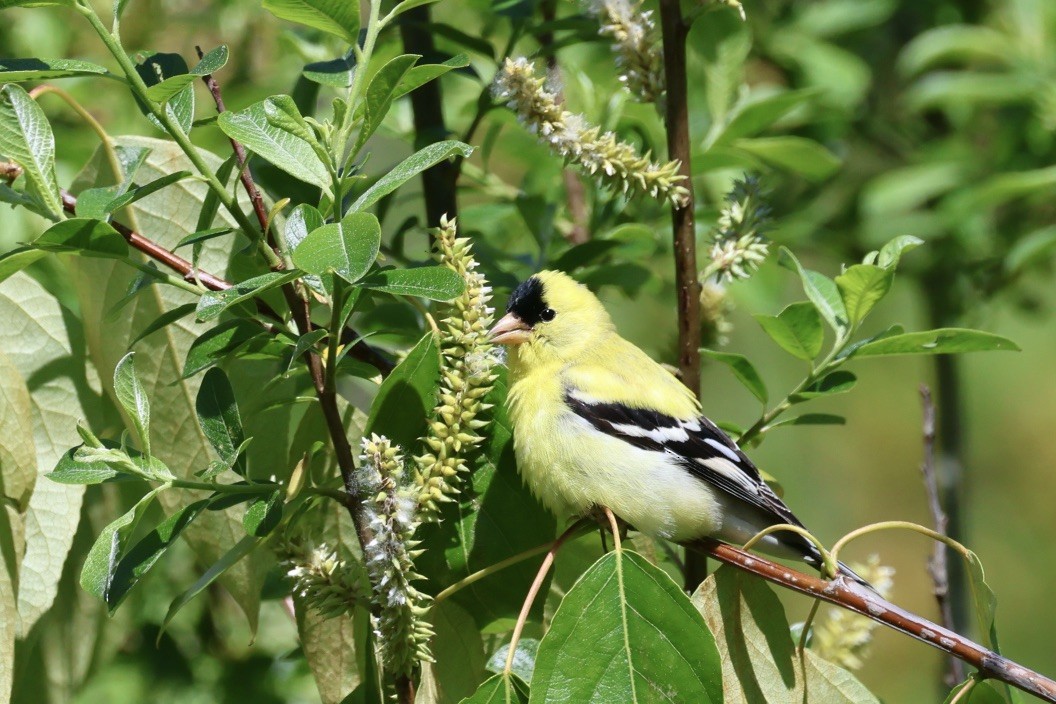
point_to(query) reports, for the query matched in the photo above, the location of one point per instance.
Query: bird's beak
(511, 330)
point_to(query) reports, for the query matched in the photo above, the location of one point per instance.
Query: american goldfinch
(596, 422)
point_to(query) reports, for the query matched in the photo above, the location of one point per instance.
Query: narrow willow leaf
(158, 68)
(420, 75)
(203, 236)
(213, 303)
(98, 569)
(337, 17)
(130, 197)
(742, 369)
(282, 112)
(500, 689)
(820, 289)
(91, 238)
(408, 169)
(402, 405)
(336, 73)
(16, 70)
(304, 343)
(380, 94)
(628, 631)
(797, 154)
(219, 418)
(938, 341)
(437, 283)
(141, 557)
(285, 150)
(215, 344)
(796, 329)
(26, 139)
(862, 286)
(73, 470)
(264, 514)
(837, 382)
(755, 115)
(167, 318)
(133, 398)
(347, 248)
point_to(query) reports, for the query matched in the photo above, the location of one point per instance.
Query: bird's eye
(547, 315)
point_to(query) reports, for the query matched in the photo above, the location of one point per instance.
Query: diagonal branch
(862, 601)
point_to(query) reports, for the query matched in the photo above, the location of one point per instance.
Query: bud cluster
(616, 164)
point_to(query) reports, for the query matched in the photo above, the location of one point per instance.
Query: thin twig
(937, 565)
(867, 603)
(676, 123)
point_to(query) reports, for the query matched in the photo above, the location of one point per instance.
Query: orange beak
(511, 330)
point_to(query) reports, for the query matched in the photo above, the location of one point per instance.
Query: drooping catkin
(466, 375)
(639, 54)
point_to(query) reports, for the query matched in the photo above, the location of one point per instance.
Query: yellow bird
(598, 423)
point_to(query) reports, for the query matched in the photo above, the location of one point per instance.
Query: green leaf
(956, 43)
(892, 252)
(98, 569)
(408, 169)
(458, 650)
(282, 112)
(797, 329)
(164, 320)
(820, 289)
(103, 207)
(523, 664)
(241, 549)
(169, 70)
(742, 369)
(18, 259)
(213, 303)
(947, 89)
(215, 344)
(284, 149)
(218, 415)
(759, 660)
(981, 693)
(500, 689)
(755, 115)
(803, 156)
(264, 514)
(939, 341)
(210, 63)
(347, 248)
(203, 236)
(337, 17)
(420, 75)
(91, 238)
(862, 286)
(407, 396)
(304, 343)
(437, 283)
(336, 73)
(810, 419)
(133, 398)
(72, 470)
(15, 70)
(27, 140)
(837, 382)
(18, 453)
(141, 557)
(380, 94)
(626, 629)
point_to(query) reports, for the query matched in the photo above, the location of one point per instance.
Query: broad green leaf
(141, 557)
(92, 238)
(282, 112)
(756, 114)
(523, 664)
(437, 283)
(957, 43)
(219, 418)
(301, 220)
(939, 341)
(241, 549)
(892, 252)
(18, 452)
(98, 569)
(803, 156)
(797, 329)
(156, 69)
(407, 396)
(404, 6)
(862, 286)
(837, 382)
(170, 215)
(216, 343)
(820, 289)
(15, 70)
(285, 150)
(337, 73)
(102, 208)
(264, 514)
(459, 652)
(742, 369)
(420, 75)
(337, 17)
(39, 343)
(213, 303)
(945, 89)
(500, 689)
(133, 398)
(18, 259)
(380, 94)
(627, 633)
(759, 660)
(27, 140)
(408, 169)
(347, 248)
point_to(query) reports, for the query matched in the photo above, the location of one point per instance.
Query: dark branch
(862, 601)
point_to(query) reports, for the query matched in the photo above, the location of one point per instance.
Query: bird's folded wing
(696, 444)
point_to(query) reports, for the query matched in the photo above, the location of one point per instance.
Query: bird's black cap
(526, 301)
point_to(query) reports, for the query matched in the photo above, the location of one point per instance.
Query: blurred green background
(923, 121)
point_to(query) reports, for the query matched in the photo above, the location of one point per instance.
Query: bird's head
(550, 316)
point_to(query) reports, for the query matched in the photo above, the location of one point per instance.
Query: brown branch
(937, 566)
(862, 601)
(676, 123)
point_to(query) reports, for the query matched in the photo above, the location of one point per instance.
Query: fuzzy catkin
(614, 163)
(324, 582)
(466, 375)
(739, 245)
(639, 54)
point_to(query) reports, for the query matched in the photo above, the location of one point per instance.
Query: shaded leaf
(337, 17)
(810, 419)
(402, 405)
(219, 418)
(264, 514)
(420, 75)
(215, 344)
(92, 238)
(500, 689)
(18, 259)
(803, 156)
(742, 369)
(240, 550)
(459, 652)
(796, 329)
(837, 382)
(133, 398)
(15, 70)
(98, 569)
